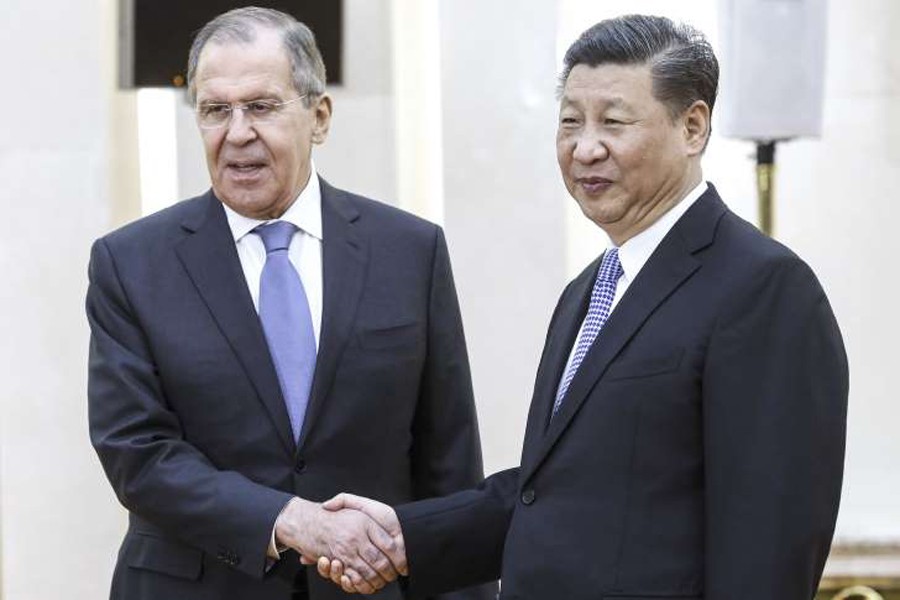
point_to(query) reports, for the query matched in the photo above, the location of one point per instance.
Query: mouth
(245, 171)
(245, 166)
(593, 185)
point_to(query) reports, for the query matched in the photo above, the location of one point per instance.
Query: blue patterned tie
(598, 311)
(286, 321)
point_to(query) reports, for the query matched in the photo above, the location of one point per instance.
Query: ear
(696, 127)
(323, 119)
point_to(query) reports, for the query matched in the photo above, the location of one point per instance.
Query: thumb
(340, 501)
(345, 500)
(379, 512)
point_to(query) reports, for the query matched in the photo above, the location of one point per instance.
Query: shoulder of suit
(378, 214)
(743, 237)
(162, 224)
(751, 259)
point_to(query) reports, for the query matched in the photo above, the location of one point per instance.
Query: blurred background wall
(447, 109)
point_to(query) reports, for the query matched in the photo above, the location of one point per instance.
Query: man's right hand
(343, 573)
(370, 555)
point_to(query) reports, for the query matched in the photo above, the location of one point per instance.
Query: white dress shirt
(305, 251)
(634, 253)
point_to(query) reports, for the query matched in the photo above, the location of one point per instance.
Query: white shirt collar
(305, 212)
(635, 252)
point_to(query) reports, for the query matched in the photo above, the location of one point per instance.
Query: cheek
(212, 142)
(564, 149)
(633, 158)
(287, 160)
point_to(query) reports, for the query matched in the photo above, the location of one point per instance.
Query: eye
(214, 110)
(260, 108)
(568, 121)
(611, 122)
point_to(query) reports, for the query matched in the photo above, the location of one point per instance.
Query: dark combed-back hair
(241, 25)
(682, 63)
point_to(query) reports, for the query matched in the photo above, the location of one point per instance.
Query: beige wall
(68, 173)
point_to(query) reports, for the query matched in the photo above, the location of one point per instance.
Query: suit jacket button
(299, 466)
(528, 497)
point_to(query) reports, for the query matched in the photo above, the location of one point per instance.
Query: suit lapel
(344, 260)
(563, 332)
(671, 264)
(210, 257)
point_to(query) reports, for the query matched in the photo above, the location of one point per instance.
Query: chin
(593, 208)
(244, 204)
(601, 216)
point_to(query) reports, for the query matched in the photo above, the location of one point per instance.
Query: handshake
(353, 541)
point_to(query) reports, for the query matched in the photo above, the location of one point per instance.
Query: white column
(502, 199)
(61, 523)
(415, 32)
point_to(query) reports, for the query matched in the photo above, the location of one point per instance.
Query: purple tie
(286, 321)
(598, 311)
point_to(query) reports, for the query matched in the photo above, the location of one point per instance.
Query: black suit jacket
(186, 413)
(698, 453)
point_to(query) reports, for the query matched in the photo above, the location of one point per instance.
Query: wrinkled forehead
(234, 68)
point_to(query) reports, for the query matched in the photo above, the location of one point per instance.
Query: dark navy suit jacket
(186, 413)
(699, 450)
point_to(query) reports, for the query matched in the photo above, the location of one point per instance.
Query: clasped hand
(353, 541)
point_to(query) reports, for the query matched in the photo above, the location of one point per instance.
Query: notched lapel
(556, 354)
(344, 261)
(210, 257)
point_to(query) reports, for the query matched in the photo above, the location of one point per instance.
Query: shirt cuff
(275, 549)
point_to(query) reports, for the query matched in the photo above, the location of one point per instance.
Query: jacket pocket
(163, 556)
(387, 337)
(644, 367)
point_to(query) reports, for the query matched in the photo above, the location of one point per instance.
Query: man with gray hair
(261, 347)
(686, 433)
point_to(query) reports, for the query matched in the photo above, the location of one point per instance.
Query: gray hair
(682, 62)
(241, 25)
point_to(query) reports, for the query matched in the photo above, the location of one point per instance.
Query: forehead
(242, 70)
(613, 84)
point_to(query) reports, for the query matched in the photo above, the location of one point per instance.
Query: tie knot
(610, 267)
(276, 235)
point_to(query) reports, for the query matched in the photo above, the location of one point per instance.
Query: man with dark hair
(686, 434)
(261, 347)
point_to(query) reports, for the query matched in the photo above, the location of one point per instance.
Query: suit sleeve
(447, 451)
(446, 454)
(457, 541)
(775, 391)
(155, 473)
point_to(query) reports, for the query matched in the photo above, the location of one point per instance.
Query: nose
(240, 128)
(589, 148)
